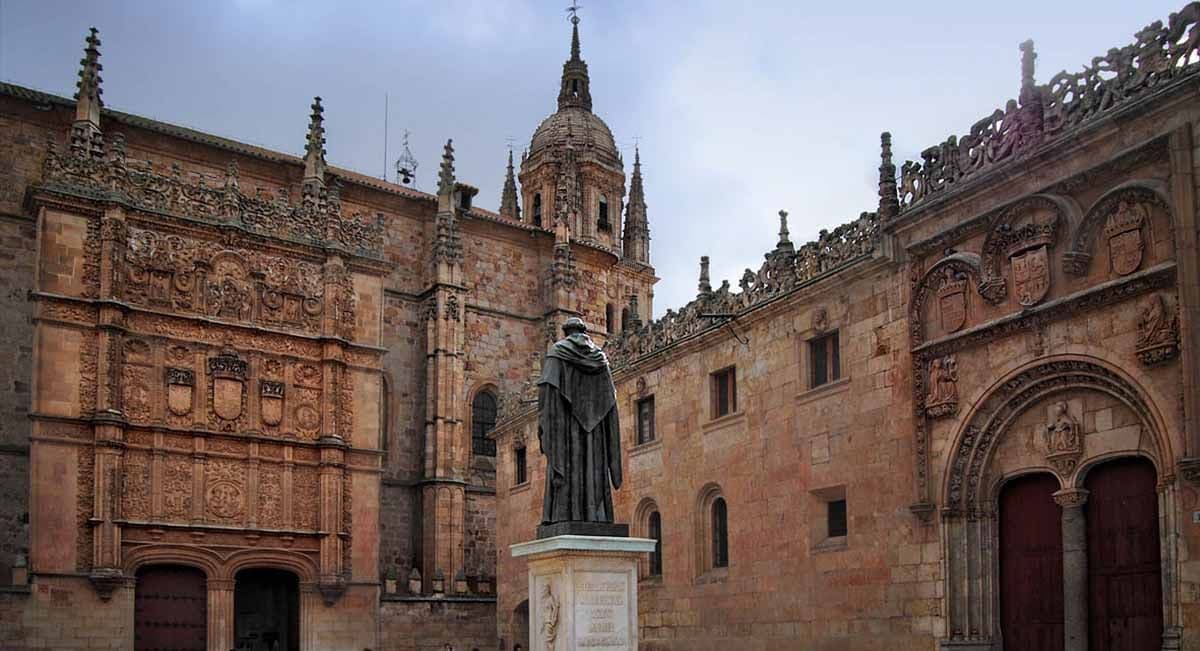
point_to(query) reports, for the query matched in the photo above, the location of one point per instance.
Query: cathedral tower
(573, 172)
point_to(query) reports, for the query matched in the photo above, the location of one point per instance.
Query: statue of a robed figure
(580, 436)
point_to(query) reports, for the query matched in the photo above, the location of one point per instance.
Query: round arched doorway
(266, 606)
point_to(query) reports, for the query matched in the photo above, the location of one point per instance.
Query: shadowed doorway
(266, 607)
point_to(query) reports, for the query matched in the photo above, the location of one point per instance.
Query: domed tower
(573, 171)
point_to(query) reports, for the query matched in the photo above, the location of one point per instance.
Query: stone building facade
(965, 420)
(246, 394)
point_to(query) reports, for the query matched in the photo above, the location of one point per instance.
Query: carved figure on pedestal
(578, 430)
(1063, 441)
(1158, 332)
(942, 399)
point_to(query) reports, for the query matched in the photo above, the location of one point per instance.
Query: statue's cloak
(579, 432)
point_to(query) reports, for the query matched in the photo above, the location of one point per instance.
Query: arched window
(654, 532)
(483, 420)
(602, 215)
(537, 209)
(608, 318)
(720, 533)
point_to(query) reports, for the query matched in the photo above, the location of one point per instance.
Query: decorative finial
(508, 197)
(89, 71)
(314, 147)
(784, 242)
(574, 11)
(574, 90)
(85, 132)
(1028, 56)
(446, 173)
(406, 165)
(705, 286)
(889, 200)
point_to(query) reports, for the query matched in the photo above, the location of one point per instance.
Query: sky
(740, 108)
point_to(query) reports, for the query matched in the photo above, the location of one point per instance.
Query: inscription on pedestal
(602, 612)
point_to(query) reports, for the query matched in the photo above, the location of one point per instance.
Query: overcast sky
(741, 108)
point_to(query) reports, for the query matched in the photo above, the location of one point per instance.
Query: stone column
(220, 614)
(1075, 568)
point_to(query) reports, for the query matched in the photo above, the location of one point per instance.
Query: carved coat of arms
(1124, 232)
(228, 373)
(1031, 275)
(952, 300)
(271, 402)
(180, 389)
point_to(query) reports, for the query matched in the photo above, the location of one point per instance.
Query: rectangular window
(825, 358)
(645, 420)
(724, 392)
(519, 476)
(836, 518)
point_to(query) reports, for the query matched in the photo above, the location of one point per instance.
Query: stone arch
(958, 266)
(641, 528)
(487, 394)
(200, 558)
(1082, 242)
(303, 566)
(973, 478)
(703, 547)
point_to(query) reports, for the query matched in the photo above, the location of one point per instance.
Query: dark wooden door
(1124, 581)
(1031, 583)
(170, 607)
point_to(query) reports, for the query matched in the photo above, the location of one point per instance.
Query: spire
(636, 242)
(508, 197)
(574, 90)
(784, 242)
(705, 287)
(889, 201)
(85, 132)
(446, 172)
(314, 146)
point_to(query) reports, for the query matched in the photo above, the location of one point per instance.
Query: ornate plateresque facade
(259, 379)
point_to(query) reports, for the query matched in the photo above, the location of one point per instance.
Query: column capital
(1071, 497)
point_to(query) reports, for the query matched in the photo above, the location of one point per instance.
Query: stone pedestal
(583, 592)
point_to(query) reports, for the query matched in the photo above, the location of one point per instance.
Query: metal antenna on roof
(385, 136)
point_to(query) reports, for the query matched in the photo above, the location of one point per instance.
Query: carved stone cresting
(549, 616)
(1158, 332)
(1124, 234)
(942, 398)
(1063, 438)
(1047, 112)
(786, 268)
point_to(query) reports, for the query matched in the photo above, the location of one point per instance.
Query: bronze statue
(579, 434)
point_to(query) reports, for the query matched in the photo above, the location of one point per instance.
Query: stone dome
(576, 126)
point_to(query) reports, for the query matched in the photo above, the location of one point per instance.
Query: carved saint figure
(549, 616)
(578, 429)
(943, 387)
(1062, 435)
(1152, 325)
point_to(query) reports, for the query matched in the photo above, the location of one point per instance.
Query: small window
(537, 209)
(645, 420)
(602, 218)
(835, 517)
(519, 476)
(483, 420)
(720, 534)
(724, 392)
(609, 323)
(825, 358)
(654, 532)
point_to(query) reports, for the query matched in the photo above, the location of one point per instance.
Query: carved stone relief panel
(1016, 251)
(942, 397)
(1158, 331)
(227, 391)
(135, 485)
(225, 491)
(306, 412)
(1063, 438)
(177, 488)
(270, 496)
(1123, 232)
(305, 497)
(952, 299)
(137, 387)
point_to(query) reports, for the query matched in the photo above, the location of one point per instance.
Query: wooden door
(170, 607)
(1031, 582)
(1124, 581)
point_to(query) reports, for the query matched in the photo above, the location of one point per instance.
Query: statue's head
(574, 325)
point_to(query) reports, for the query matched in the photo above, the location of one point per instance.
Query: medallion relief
(224, 495)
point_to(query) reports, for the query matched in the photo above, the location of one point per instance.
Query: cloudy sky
(741, 108)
